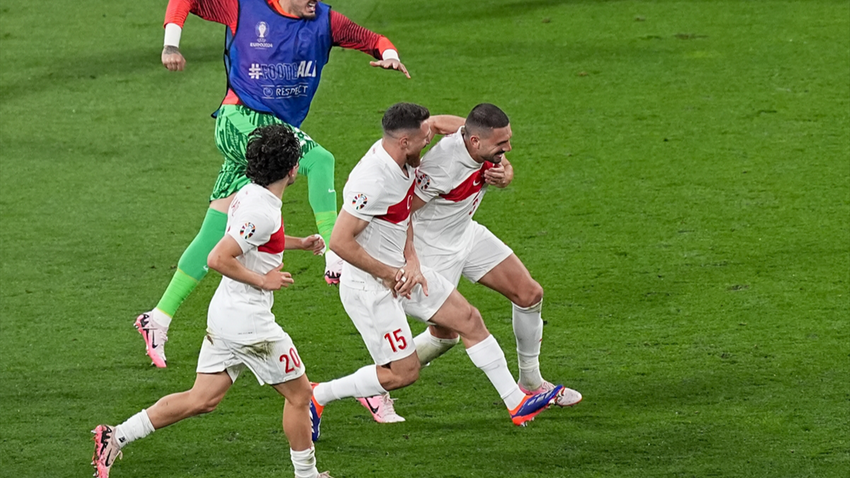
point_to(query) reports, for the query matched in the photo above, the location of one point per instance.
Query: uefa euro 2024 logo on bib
(262, 30)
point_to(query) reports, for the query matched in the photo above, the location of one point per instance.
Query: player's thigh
(448, 266)
(486, 253)
(271, 362)
(233, 127)
(381, 321)
(423, 307)
(459, 315)
(210, 388)
(216, 357)
(512, 279)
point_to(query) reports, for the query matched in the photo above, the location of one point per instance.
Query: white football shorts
(381, 318)
(482, 252)
(272, 362)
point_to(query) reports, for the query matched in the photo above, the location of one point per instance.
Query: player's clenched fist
(172, 58)
(275, 279)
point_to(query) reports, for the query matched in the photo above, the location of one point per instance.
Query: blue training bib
(274, 62)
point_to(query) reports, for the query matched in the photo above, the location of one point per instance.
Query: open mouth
(311, 7)
(497, 158)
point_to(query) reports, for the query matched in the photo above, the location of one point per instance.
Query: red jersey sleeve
(220, 11)
(347, 34)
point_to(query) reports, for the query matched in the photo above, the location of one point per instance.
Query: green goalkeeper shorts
(233, 126)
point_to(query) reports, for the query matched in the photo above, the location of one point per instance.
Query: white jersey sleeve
(433, 177)
(249, 227)
(362, 197)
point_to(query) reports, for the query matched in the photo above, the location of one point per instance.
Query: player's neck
(392, 149)
(468, 145)
(278, 187)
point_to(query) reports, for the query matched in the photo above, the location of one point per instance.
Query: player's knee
(475, 322)
(320, 161)
(405, 372)
(410, 376)
(206, 405)
(530, 295)
(442, 332)
(301, 396)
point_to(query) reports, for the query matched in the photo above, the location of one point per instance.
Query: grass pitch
(682, 193)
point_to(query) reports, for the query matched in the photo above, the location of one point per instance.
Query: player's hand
(172, 58)
(391, 65)
(275, 279)
(497, 176)
(314, 243)
(407, 278)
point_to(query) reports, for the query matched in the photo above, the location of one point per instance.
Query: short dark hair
(404, 116)
(486, 117)
(272, 152)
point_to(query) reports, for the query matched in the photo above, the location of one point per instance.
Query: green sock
(192, 266)
(318, 166)
(325, 224)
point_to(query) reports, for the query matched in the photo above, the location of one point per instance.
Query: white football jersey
(379, 192)
(240, 312)
(452, 184)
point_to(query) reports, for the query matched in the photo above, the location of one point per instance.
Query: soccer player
(382, 280)
(274, 62)
(450, 184)
(241, 329)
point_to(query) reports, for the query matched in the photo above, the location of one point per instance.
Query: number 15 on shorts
(396, 340)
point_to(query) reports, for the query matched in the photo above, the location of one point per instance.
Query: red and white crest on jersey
(471, 185)
(399, 212)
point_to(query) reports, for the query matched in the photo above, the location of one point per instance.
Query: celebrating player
(382, 279)
(450, 184)
(241, 329)
(274, 55)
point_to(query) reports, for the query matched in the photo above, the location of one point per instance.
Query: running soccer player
(450, 184)
(382, 281)
(274, 55)
(241, 329)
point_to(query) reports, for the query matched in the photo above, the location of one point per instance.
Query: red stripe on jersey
(348, 34)
(276, 243)
(469, 186)
(400, 212)
(219, 11)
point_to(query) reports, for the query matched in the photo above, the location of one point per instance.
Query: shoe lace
(387, 403)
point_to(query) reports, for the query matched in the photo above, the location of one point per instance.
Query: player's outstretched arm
(313, 243)
(223, 260)
(221, 11)
(172, 59)
(445, 124)
(391, 64)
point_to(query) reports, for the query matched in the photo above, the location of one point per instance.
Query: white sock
(488, 356)
(528, 328)
(161, 318)
(362, 383)
(429, 347)
(304, 463)
(137, 426)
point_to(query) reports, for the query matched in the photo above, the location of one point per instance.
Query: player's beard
(413, 159)
(496, 158)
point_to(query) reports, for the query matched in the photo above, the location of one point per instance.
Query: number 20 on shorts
(291, 361)
(396, 340)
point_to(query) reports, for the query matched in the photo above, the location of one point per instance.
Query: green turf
(682, 193)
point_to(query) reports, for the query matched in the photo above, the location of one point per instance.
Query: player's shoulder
(443, 154)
